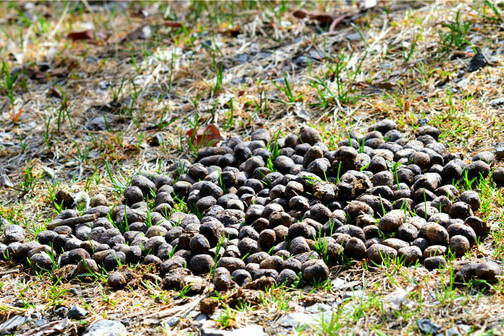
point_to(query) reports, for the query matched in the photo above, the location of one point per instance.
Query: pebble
(296, 320)
(13, 233)
(458, 330)
(172, 322)
(426, 326)
(61, 311)
(318, 307)
(499, 151)
(77, 313)
(106, 328)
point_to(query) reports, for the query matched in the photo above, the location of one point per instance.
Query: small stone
(132, 195)
(146, 185)
(498, 176)
(14, 233)
(392, 221)
(241, 277)
(478, 61)
(433, 263)
(201, 264)
(477, 170)
(106, 328)
(355, 248)
(480, 227)
(459, 245)
(499, 151)
(199, 244)
(436, 234)
(296, 320)
(488, 270)
(435, 250)
(315, 271)
(117, 280)
(378, 252)
(410, 254)
(172, 322)
(426, 326)
(77, 313)
(64, 199)
(222, 279)
(101, 122)
(472, 198)
(485, 156)
(310, 135)
(42, 261)
(287, 277)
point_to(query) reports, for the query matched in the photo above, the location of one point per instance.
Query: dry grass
(404, 68)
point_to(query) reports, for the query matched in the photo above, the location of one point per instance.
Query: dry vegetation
(156, 70)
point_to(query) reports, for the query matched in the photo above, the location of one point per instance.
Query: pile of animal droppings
(278, 210)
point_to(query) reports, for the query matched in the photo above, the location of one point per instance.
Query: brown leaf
(5, 181)
(232, 31)
(82, 35)
(300, 13)
(323, 18)
(387, 85)
(336, 22)
(210, 136)
(173, 24)
(59, 72)
(15, 116)
(54, 92)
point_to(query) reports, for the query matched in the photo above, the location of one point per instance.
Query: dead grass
(395, 61)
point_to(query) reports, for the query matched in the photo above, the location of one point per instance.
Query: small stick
(72, 221)
(10, 272)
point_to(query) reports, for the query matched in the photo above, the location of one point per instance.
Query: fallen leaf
(301, 111)
(54, 92)
(173, 24)
(384, 85)
(210, 136)
(397, 299)
(323, 18)
(59, 72)
(144, 32)
(233, 31)
(82, 35)
(479, 61)
(5, 181)
(15, 116)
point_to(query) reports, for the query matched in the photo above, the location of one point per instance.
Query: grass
(235, 65)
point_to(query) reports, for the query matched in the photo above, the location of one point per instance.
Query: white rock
(106, 328)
